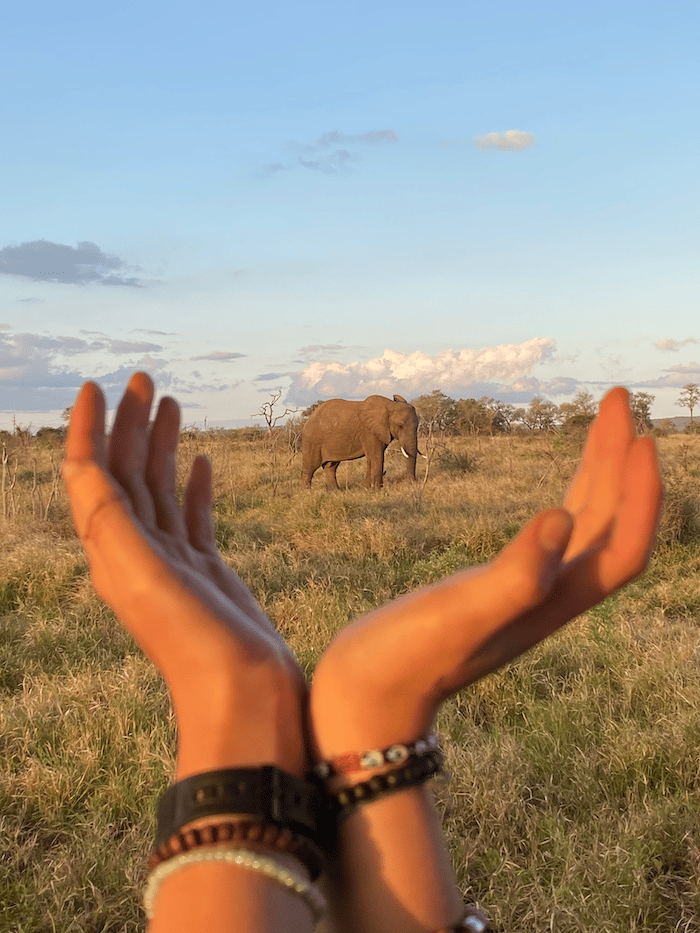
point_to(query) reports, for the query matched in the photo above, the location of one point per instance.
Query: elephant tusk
(405, 454)
(422, 455)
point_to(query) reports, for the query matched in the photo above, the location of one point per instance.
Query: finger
(90, 490)
(202, 535)
(197, 507)
(86, 429)
(128, 446)
(439, 627)
(160, 473)
(596, 491)
(589, 579)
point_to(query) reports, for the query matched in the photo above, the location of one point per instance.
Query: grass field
(573, 797)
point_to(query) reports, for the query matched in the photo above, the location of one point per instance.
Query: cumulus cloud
(411, 374)
(43, 261)
(315, 156)
(220, 356)
(668, 345)
(510, 141)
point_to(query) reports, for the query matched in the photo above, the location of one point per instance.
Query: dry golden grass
(573, 802)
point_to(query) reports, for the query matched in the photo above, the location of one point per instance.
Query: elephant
(340, 429)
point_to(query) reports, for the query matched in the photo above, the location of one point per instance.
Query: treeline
(441, 414)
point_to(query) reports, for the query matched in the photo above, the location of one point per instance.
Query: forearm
(227, 898)
(390, 869)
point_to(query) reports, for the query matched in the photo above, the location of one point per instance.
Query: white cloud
(412, 374)
(668, 345)
(510, 141)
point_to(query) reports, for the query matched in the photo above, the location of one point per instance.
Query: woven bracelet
(313, 899)
(242, 829)
(346, 801)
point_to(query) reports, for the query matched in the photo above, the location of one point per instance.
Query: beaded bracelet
(345, 801)
(241, 829)
(374, 758)
(473, 921)
(313, 899)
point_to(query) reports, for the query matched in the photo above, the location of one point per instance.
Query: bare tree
(689, 397)
(267, 410)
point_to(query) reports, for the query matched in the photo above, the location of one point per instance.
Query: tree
(471, 416)
(541, 415)
(640, 403)
(689, 397)
(267, 410)
(580, 411)
(436, 411)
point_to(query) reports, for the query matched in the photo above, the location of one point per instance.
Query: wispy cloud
(43, 261)
(453, 372)
(316, 157)
(685, 369)
(220, 356)
(668, 345)
(510, 141)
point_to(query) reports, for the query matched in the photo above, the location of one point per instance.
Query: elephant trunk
(410, 456)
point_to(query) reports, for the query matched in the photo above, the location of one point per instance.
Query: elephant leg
(330, 468)
(374, 477)
(311, 461)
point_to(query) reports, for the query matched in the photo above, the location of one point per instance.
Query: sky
(330, 200)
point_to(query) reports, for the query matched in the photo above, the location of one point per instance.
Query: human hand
(384, 677)
(239, 695)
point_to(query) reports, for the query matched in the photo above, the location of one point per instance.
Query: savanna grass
(573, 797)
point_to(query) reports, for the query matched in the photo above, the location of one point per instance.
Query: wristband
(266, 794)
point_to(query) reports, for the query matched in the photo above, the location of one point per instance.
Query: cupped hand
(384, 677)
(238, 693)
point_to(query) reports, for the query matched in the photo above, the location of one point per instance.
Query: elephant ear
(375, 417)
(400, 398)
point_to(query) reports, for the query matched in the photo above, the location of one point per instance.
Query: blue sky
(486, 199)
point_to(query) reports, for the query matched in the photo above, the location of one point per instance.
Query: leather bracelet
(266, 794)
(241, 830)
(346, 801)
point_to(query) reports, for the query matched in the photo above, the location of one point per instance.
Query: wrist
(240, 726)
(347, 718)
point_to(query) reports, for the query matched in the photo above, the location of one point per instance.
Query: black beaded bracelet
(344, 802)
